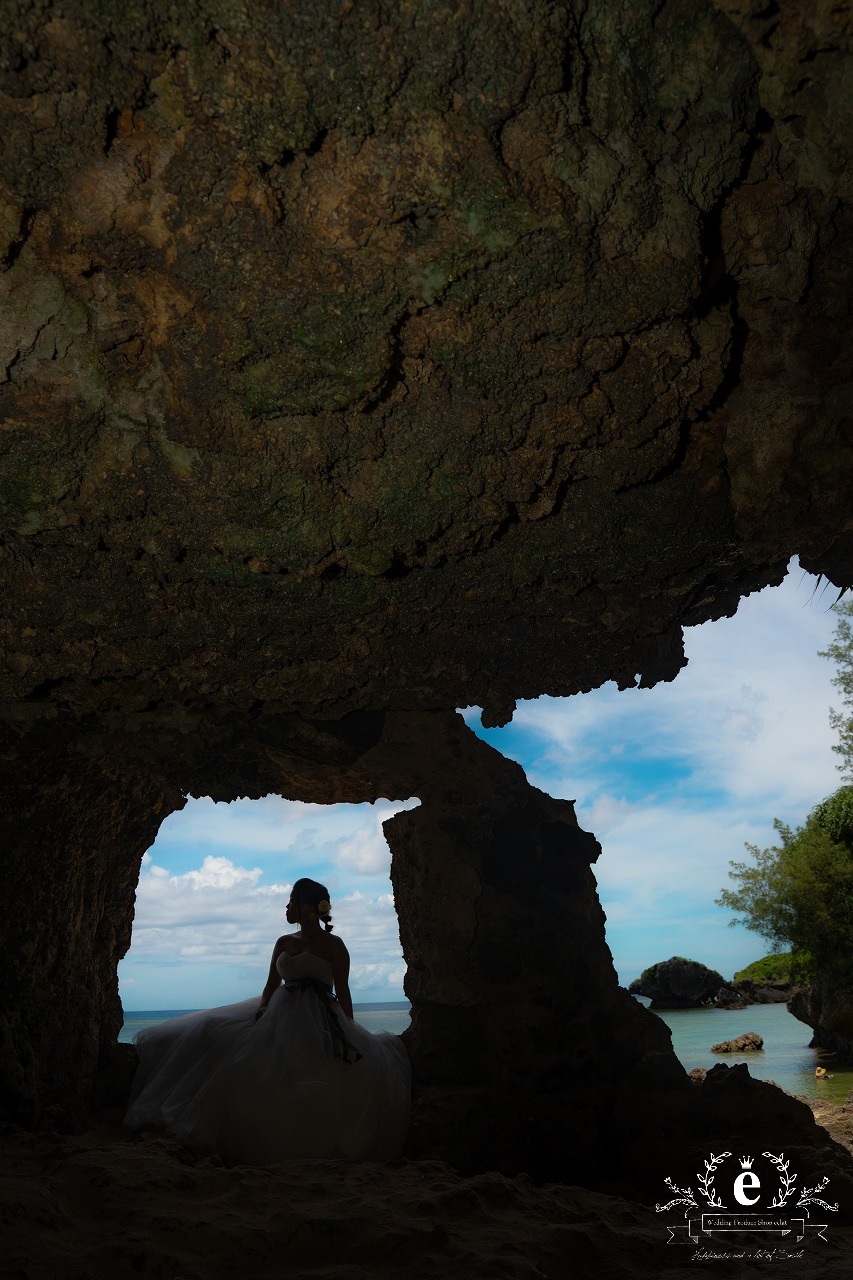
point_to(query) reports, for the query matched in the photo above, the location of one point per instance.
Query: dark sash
(343, 1048)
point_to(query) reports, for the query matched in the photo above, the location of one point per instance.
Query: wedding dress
(304, 1080)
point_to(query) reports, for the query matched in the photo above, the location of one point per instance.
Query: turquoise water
(385, 1016)
(785, 1059)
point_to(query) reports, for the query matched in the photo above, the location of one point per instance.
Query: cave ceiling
(366, 355)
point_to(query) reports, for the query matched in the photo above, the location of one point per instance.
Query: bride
(291, 1076)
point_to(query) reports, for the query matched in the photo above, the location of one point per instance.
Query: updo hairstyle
(311, 892)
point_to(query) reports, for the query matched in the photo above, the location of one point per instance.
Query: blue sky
(673, 780)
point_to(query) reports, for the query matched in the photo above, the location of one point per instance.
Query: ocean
(785, 1059)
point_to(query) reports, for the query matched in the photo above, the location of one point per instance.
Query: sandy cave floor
(105, 1205)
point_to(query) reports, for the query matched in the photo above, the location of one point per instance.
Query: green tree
(835, 816)
(762, 897)
(800, 892)
(841, 653)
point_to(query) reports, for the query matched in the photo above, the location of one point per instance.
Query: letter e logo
(742, 1182)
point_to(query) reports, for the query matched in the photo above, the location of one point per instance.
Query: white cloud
(264, 825)
(368, 924)
(605, 813)
(748, 716)
(270, 830)
(366, 851)
(220, 873)
(373, 978)
(202, 937)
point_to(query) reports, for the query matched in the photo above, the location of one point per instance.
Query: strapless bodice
(304, 965)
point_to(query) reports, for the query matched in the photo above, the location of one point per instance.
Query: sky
(673, 780)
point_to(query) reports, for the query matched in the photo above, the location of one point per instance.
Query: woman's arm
(273, 981)
(340, 970)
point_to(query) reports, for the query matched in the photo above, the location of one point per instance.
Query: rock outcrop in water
(765, 981)
(749, 1042)
(362, 362)
(678, 984)
(755, 994)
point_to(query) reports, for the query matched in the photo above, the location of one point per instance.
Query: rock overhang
(471, 371)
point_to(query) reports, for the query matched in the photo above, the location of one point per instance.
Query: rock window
(213, 889)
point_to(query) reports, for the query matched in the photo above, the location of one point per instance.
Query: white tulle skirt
(262, 1092)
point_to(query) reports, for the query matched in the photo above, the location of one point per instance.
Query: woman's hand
(261, 1009)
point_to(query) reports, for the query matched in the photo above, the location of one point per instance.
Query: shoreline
(836, 1120)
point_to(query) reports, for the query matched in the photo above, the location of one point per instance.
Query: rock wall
(829, 1012)
(360, 357)
(519, 1029)
(517, 1016)
(73, 830)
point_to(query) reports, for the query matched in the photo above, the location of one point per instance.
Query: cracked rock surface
(367, 355)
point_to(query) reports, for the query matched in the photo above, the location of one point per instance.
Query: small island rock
(678, 984)
(749, 1042)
